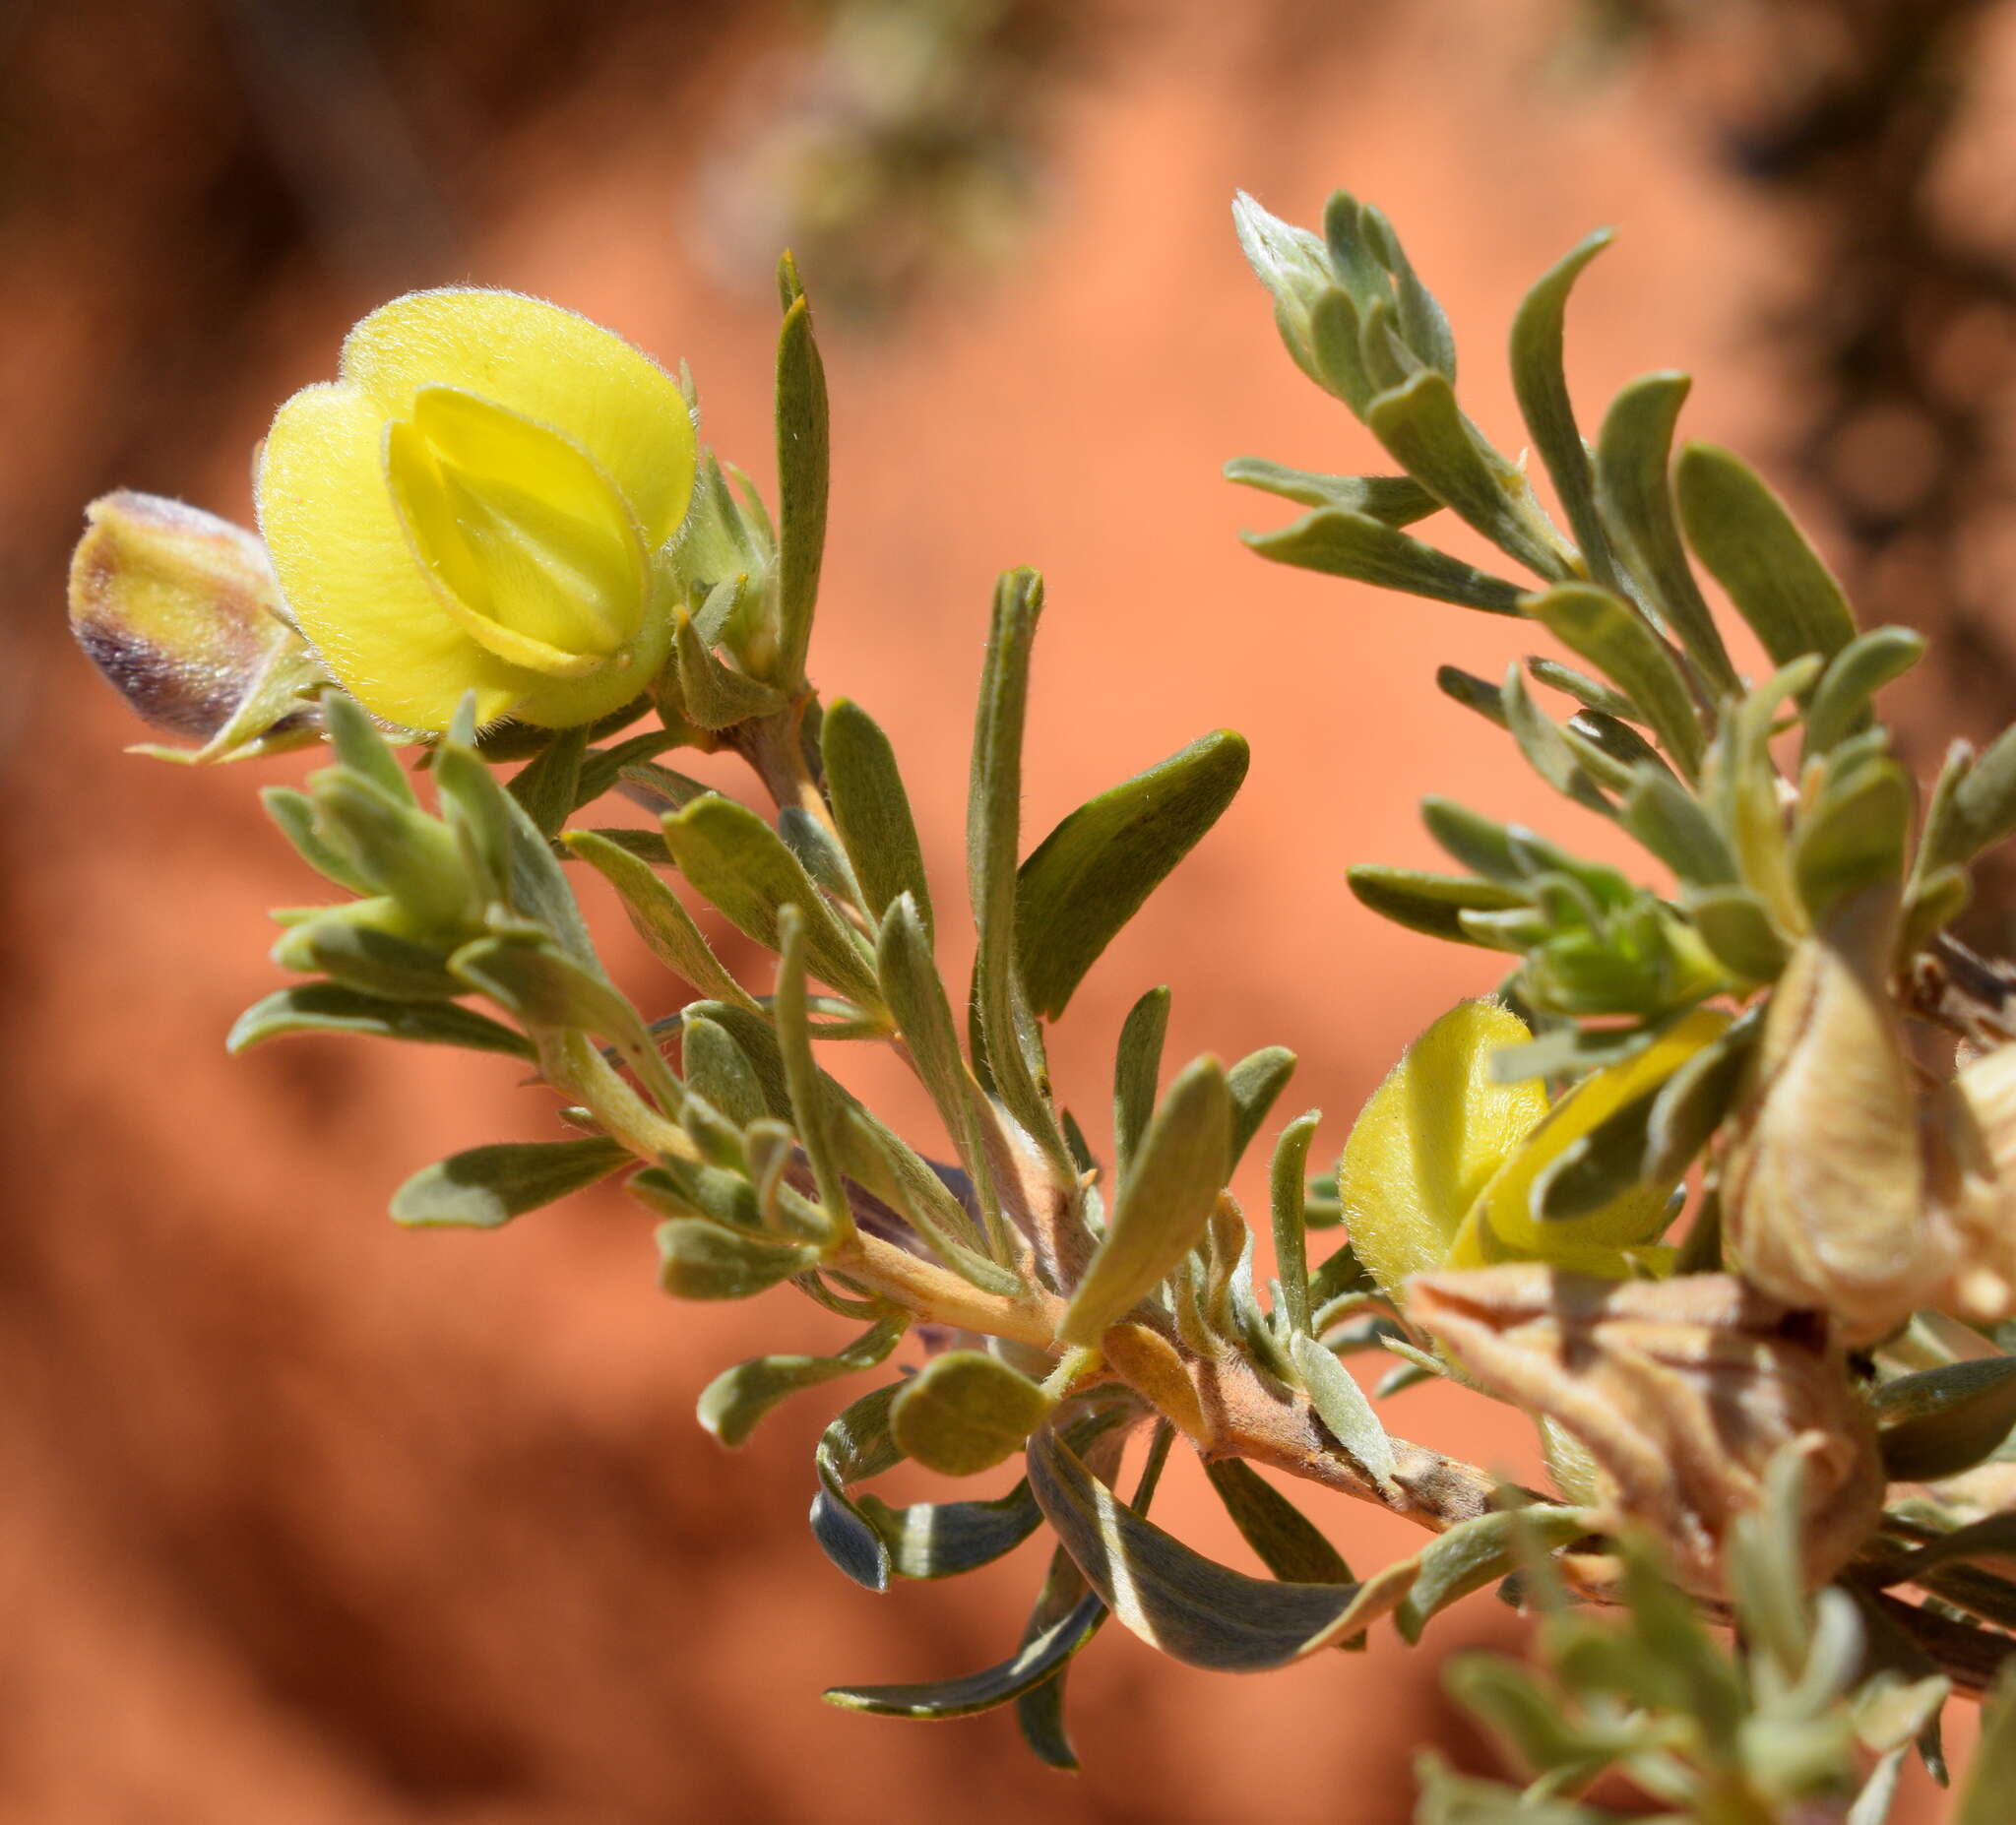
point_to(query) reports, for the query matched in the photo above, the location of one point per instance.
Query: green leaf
(1686, 1112)
(348, 944)
(1854, 838)
(1393, 500)
(1288, 1200)
(744, 868)
(1029, 1666)
(1742, 533)
(1982, 804)
(1255, 1082)
(659, 916)
(602, 768)
(812, 1110)
(966, 1411)
(1341, 543)
(1590, 693)
(1433, 903)
(487, 1186)
(1290, 1544)
(1840, 700)
(1423, 326)
(659, 788)
(1633, 494)
(1546, 749)
(948, 1540)
(1735, 927)
(1421, 426)
(1606, 632)
(1940, 1421)
(854, 1446)
(1202, 1614)
(1476, 695)
(1164, 1203)
(720, 1071)
(1346, 1413)
(358, 745)
(1096, 869)
(872, 810)
(1541, 387)
(1477, 1552)
(1012, 1043)
(700, 1260)
(294, 812)
(802, 473)
(547, 785)
(1137, 1076)
(734, 1400)
(1668, 820)
(330, 1007)
(713, 693)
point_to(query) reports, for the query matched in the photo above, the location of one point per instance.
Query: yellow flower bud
(1682, 1391)
(180, 611)
(479, 503)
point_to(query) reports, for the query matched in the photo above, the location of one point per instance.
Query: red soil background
(306, 1518)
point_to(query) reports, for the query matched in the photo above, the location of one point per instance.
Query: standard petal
(550, 367)
(349, 575)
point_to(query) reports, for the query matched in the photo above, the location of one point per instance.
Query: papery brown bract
(1680, 1390)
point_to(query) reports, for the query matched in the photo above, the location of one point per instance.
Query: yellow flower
(479, 503)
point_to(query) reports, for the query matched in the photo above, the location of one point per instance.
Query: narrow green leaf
(294, 812)
(802, 471)
(966, 1411)
(1541, 386)
(872, 810)
(713, 693)
(1940, 1421)
(1477, 1552)
(1423, 325)
(487, 1186)
(1983, 803)
(1289, 1203)
(358, 745)
(1174, 1598)
(1668, 820)
(1029, 1666)
(734, 1400)
(549, 784)
(1097, 868)
(744, 868)
(811, 1109)
(1427, 433)
(1590, 693)
(1011, 1040)
(659, 916)
(1854, 838)
(854, 1446)
(718, 1070)
(330, 1007)
(659, 788)
(1840, 700)
(947, 1540)
(1433, 903)
(1341, 543)
(1254, 1083)
(1735, 927)
(1290, 1544)
(1634, 494)
(348, 944)
(1164, 1204)
(1393, 500)
(1693, 1102)
(1606, 632)
(1342, 1406)
(602, 768)
(1742, 533)
(1137, 1076)
(698, 1260)
(524, 873)
(1545, 748)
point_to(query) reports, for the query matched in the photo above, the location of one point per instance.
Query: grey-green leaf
(1668, 820)
(1394, 500)
(1433, 903)
(330, 1007)
(1342, 1406)
(1611, 636)
(1029, 1666)
(872, 810)
(1164, 1203)
(700, 1260)
(487, 1186)
(1094, 871)
(1255, 1082)
(1940, 1421)
(966, 1411)
(735, 1399)
(1343, 544)
(1743, 534)
(1290, 1544)
(1634, 493)
(744, 868)
(1840, 700)
(802, 474)
(659, 916)
(1137, 1076)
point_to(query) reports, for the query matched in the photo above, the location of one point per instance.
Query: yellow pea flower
(478, 503)
(1442, 1164)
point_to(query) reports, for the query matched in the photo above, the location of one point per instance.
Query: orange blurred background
(306, 1518)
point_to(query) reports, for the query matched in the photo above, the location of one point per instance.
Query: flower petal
(547, 364)
(348, 572)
